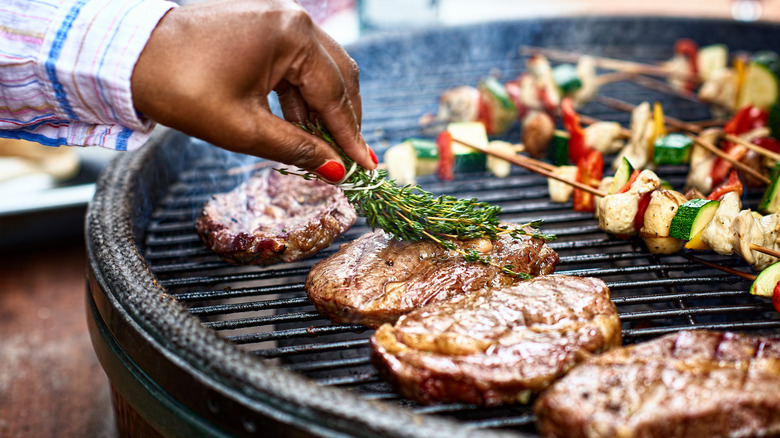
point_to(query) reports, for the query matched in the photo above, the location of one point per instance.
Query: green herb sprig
(411, 213)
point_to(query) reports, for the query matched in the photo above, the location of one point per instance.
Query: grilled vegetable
(692, 217)
(770, 202)
(558, 152)
(711, 59)
(457, 158)
(761, 87)
(590, 170)
(538, 130)
(571, 121)
(766, 282)
(497, 111)
(622, 176)
(566, 78)
(672, 148)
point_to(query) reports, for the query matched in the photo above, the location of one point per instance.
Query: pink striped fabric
(65, 68)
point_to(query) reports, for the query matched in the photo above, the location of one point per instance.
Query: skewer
(753, 147)
(738, 164)
(536, 166)
(671, 121)
(725, 269)
(607, 63)
(766, 251)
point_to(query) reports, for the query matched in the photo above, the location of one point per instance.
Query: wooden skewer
(753, 147)
(607, 63)
(536, 166)
(766, 251)
(739, 165)
(671, 121)
(725, 269)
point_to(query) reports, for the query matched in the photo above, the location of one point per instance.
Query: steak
(686, 384)
(375, 278)
(496, 346)
(274, 218)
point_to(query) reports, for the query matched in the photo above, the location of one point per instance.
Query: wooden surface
(51, 383)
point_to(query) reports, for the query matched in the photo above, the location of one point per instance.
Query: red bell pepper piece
(690, 49)
(768, 143)
(631, 179)
(746, 119)
(639, 219)
(590, 170)
(484, 115)
(721, 168)
(734, 184)
(445, 168)
(571, 122)
(776, 297)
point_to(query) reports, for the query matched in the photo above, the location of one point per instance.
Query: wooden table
(51, 383)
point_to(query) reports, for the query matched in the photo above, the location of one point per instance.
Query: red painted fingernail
(373, 156)
(332, 171)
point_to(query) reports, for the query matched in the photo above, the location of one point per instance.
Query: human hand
(208, 68)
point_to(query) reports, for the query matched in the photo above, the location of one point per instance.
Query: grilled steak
(500, 345)
(375, 279)
(274, 218)
(687, 384)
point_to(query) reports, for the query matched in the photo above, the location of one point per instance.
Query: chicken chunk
(617, 211)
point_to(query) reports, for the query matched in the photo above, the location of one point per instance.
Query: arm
(208, 68)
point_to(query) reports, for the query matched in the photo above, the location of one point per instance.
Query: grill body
(198, 347)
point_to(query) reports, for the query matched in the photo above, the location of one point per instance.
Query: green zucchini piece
(558, 152)
(774, 121)
(622, 175)
(692, 217)
(672, 148)
(566, 78)
(770, 201)
(762, 86)
(712, 58)
(468, 159)
(503, 112)
(765, 282)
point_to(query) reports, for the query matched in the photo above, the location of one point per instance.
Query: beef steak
(497, 346)
(686, 384)
(274, 218)
(375, 278)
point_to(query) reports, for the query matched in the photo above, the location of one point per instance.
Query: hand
(208, 68)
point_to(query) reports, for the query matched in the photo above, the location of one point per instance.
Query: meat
(686, 384)
(375, 279)
(497, 346)
(274, 218)
(617, 211)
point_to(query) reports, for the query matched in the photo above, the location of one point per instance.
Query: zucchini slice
(761, 87)
(770, 202)
(711, 58)
(765, 282)
(692, 217)
(468, 159)
(566, 78)
(672, 148)
(622, 175)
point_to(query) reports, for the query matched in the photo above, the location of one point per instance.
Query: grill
(198, 347)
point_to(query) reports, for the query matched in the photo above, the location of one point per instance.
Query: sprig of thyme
(411, 213)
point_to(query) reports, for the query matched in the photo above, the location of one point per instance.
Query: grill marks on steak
(274, 218)
(375, 278)
(497, 346)
(686, 384)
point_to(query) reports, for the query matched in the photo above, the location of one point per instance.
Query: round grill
(199, 347)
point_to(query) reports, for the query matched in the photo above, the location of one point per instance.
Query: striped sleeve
(65, 69)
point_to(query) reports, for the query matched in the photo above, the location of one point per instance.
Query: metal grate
(265, 310)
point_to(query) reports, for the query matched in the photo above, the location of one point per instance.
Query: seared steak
(274, 218)
(375, 279)
(500, 345)
(687, 384)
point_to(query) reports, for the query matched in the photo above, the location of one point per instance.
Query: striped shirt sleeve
(65, 68)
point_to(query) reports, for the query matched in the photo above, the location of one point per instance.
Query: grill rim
(159, 336)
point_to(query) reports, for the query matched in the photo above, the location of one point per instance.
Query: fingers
(323, 88)
(349, 70)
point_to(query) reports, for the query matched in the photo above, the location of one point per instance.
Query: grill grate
(266, 313)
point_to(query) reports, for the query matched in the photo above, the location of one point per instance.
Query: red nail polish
(373, 156)
(332, 171)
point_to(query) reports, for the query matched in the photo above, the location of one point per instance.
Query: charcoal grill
(196, 347)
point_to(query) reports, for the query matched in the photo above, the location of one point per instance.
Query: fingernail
(332, 171)
(373, 155)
